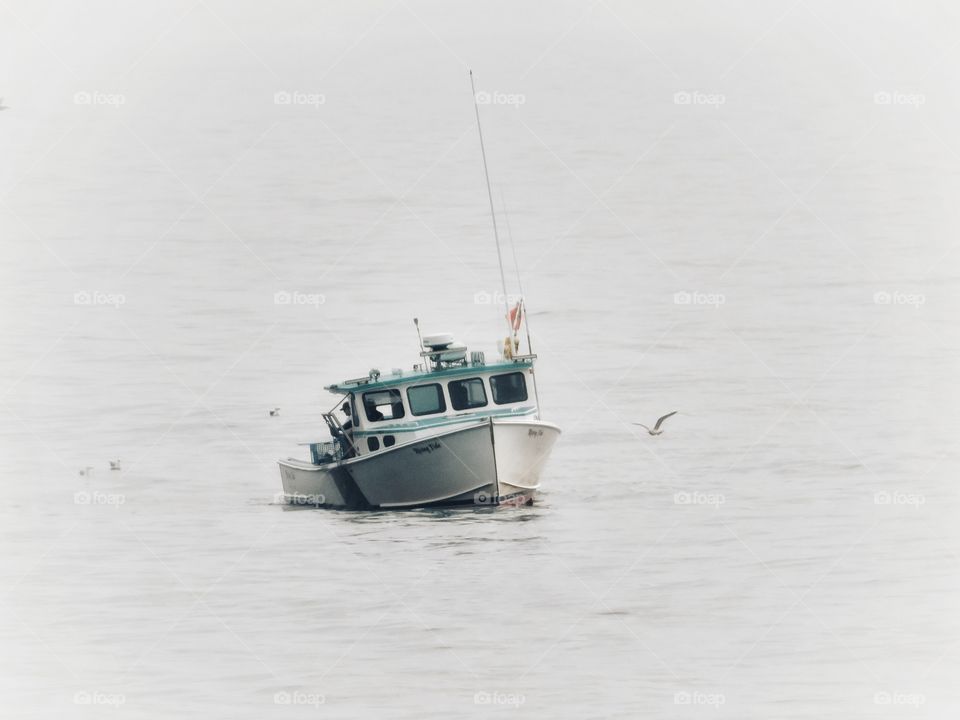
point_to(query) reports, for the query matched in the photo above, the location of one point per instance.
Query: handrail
(336, 429)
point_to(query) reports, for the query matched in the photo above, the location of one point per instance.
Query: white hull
(488, 462)
(306, 484)
(522, 451)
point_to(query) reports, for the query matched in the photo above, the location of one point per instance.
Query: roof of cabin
(393, 379)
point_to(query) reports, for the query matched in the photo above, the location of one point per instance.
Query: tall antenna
(523, 298)
(513, 248)
(493, 215)
(516, 267)
(416, 321)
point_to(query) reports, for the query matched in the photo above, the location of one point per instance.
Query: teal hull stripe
(447, 420)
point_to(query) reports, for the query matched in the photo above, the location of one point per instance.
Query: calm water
(788, 548)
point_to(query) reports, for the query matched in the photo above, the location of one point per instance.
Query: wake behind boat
(454, 430)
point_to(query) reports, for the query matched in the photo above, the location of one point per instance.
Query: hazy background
(742, 210)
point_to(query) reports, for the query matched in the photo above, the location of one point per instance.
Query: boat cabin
(447, 390)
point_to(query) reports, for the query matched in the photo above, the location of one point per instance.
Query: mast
(416, 321)
(516, 267)
(523, 298)
(493, 215)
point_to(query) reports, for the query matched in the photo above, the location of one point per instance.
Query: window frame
(493, 388)
(483, 386)
(390, 391)
(443, 399)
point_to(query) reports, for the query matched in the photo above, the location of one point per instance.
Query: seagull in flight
(656, 428)
(274, 412)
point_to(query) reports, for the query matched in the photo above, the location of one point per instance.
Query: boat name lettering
(534, 433)
(428, 448)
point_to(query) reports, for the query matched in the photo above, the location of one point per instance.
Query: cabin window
(426, 399)
(373, 444)
(383, 405)
(467, 394)
(509, 388)
(389, 441)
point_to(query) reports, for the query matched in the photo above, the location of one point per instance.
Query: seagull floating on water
(115, 464)
(86, 472)
(274, 412)
(656, 428)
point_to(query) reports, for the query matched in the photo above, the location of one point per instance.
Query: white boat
(454, 430)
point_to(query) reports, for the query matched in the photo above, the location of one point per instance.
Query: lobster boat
(454, 430)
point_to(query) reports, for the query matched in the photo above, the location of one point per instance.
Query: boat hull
(318, 485)
(490, 462)
(522, 451)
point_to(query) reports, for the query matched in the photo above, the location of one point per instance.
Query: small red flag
(516, 316)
